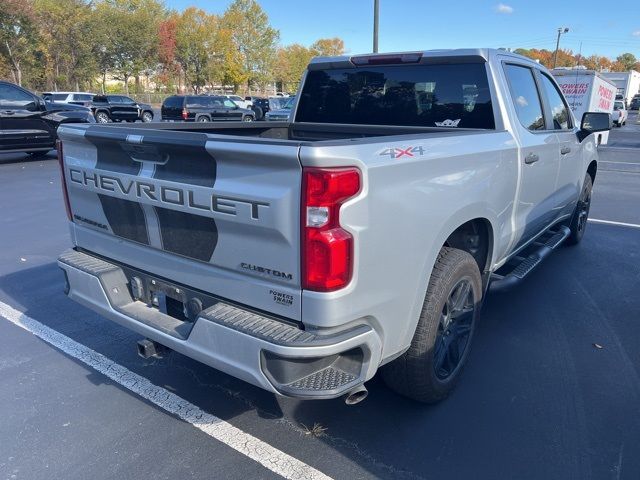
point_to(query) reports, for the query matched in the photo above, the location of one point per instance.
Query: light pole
(561, 30)
(376, 10)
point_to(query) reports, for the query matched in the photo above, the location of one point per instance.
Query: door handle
(565, 150)
(9, 112)
(531, 158)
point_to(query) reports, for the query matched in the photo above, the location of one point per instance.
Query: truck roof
(479, 54)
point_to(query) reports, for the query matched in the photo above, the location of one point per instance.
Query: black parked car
(201, 108)
(260, 106)
(635, 103)
(28, 123)
(116, 108)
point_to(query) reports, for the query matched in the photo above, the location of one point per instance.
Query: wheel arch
(452, 234)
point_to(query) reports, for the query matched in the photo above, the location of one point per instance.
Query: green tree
(131, 40)
(18, 35)
(65, 26)
(254, 37)
(195, 46)
(627, 61)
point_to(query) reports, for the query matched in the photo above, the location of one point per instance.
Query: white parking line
(609, 222)
(257, 450)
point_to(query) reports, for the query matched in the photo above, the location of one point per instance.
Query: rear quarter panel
(407, 207)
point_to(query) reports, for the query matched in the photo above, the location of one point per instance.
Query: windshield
(451, 95)
(617, 106)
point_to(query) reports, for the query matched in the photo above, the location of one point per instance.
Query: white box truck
(586, 91)
(627, 84)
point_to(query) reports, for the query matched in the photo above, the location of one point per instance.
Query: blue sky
(607, 28)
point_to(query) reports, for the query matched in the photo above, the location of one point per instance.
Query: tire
(427, 372)
(578, 223)
(147, 117)
(259, 113)
(102, 117)
(247, 118)
(40, 154)
(203, 119)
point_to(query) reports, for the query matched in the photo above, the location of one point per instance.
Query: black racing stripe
(186, 234)
(126, 218)
(192, 166)
(113, 157)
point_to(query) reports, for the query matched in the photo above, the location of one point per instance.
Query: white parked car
(75, 98)
(620, 113)
(242, 103)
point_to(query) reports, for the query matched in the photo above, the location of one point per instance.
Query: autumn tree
(254, 37)
(167, 47)
(328, 47)
(291, 62)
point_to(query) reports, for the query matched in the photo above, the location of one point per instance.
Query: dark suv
(28, 123)
(204, 108)
(260, 106)
(116, 108)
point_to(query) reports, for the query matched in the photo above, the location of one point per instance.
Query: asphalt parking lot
(552, 388)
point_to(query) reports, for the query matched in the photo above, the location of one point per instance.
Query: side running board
(518, 267)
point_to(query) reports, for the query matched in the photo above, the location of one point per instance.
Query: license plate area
(178, 302)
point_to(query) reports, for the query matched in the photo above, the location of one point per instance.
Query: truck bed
(299, 133)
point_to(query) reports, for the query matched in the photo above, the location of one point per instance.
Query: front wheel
(102, 117)
(430, 368)
(147, 117)
(581, 213)
(247, 118)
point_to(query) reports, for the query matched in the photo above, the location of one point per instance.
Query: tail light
(63, 179)
(185, 114)
(327, 250)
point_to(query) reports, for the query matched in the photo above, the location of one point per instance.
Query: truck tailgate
(220, 215)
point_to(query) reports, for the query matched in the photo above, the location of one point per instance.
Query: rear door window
(524, 94)
(173, 102)
(451, 95)
(199, 102)
(559, 109)
(81, 97)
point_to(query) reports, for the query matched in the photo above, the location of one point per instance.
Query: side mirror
(594, 122)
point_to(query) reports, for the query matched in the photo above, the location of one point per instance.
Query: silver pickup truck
(302, 257)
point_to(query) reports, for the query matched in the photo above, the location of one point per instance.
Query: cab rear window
(451, 95)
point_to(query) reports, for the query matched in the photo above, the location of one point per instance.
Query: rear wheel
(430, 368)
(247, 118)
(581, 213)
(203, 119)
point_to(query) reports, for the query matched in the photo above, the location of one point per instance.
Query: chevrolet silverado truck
(363, 234)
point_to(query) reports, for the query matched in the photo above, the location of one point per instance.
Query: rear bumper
(260, 350)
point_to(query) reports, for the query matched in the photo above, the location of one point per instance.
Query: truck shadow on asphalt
(537, 399)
